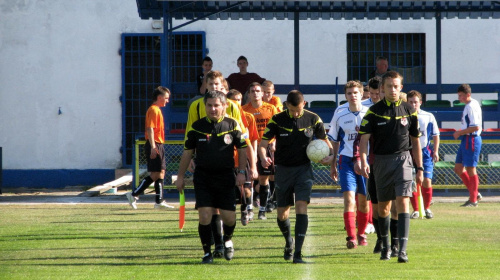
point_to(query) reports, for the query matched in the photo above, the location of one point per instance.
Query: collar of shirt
(389, 103)
(218, 121)
(291, 117)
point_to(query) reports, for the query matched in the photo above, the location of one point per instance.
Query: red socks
(465, 178)
(427, 196)
(414, 201)
(350, 224)
(474, 186)
(362, 221)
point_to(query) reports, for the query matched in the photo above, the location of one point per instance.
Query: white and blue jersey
(367, 102)
(428, 129)
(472, 116)
(470, 145)
(344, 128)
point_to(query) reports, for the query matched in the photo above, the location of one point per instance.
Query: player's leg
(372, 190)
(205, 232)
(403, 190)
(393, 229)
(224, 197)
(363, 213)
(350, 219)
(263, 193)
(363, 209)
(284, 196)
(470, 161)
(302, 181)
(347, 180)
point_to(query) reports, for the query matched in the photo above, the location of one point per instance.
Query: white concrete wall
(64, 54)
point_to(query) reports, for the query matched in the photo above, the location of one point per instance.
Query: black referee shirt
(214, 142)
(293, 135)
(391, 125)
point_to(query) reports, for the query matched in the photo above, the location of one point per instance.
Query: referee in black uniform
(214, 139)
(395, 130)
(293, 130)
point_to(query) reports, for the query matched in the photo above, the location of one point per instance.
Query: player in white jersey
(429, 130)
(343, 131)
(470, 145)
(373, 87)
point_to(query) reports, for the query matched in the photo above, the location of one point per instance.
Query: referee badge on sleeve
(404, 121)
(228, 139)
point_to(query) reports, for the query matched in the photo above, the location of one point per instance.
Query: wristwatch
(420, 168)
(241, 171)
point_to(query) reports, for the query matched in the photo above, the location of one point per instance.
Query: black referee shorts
(215, 188)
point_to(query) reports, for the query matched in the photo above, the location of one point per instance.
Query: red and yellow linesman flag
(182, 210)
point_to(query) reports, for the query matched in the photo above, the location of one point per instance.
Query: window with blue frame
(404, 51)
(141, 73)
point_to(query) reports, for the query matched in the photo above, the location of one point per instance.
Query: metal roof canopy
(301, 10)
(281, 10)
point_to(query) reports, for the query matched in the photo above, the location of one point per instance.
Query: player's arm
(151, 138)
(416, 151)
(333, 165)
(264, 160)
(363, 151)
(183, 165)
(435, 153)
(468, 130)
(242, 161)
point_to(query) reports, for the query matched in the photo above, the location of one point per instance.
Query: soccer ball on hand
(317, 150)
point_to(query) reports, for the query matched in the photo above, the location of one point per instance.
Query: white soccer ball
(317, 150)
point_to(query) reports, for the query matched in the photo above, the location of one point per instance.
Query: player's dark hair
(413, 93)
(242, 58)
(233, 92)
(215, 94)
(207, 58)
(381, 58)
(295, 98)
(159, 91)
(465, 88)
(391, 75)
(254, 84)
(374, 82)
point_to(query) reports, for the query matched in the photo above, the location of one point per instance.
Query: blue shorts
(468, 153)
(427, 162)
(349, 180)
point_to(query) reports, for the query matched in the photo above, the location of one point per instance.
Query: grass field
(111, 241)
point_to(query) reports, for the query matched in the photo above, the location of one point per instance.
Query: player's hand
(154, 153)
(334, 174)
(327, 160)
(435, 156)
(180, 184)
(191, 166)
(365, 170)
(266, 162)
(456, 135)
(420, 177)
(253, 173)
(272, 147)
(357, 167)
(240, 179)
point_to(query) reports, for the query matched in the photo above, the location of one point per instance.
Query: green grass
(110, 241)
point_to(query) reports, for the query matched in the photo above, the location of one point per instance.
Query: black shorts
(293, 180)
(372, 187)
(215, 188)
(157, 164)
(266, 171)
